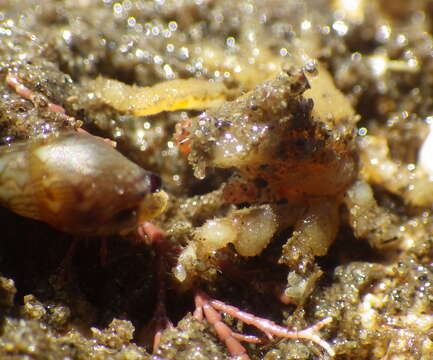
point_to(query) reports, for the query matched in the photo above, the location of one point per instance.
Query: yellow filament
(171, 95)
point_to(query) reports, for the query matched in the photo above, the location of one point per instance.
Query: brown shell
(76, 183)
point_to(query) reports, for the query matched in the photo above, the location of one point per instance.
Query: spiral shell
(78, 184)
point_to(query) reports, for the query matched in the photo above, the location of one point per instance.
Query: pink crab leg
(224, 333)
(13, 81)
(251, 339)
(160, 318)
(270, 328)
(151, 232)
(160, 321)
(108, 141)
(201, 302)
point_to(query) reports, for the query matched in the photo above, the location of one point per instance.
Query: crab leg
(13, 81)
(160, 321)
(210, 309)
(225, 334)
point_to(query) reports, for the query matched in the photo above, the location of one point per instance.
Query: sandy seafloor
(374, 281)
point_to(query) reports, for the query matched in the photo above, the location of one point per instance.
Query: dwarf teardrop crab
(291, 159)
(285, 154)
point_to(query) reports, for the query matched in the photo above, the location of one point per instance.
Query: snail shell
(78, 184)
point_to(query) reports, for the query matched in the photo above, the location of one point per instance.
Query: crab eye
(155, 183)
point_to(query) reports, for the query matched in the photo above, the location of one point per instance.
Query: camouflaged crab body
(276, 143)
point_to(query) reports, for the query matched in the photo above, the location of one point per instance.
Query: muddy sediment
(301, 181)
